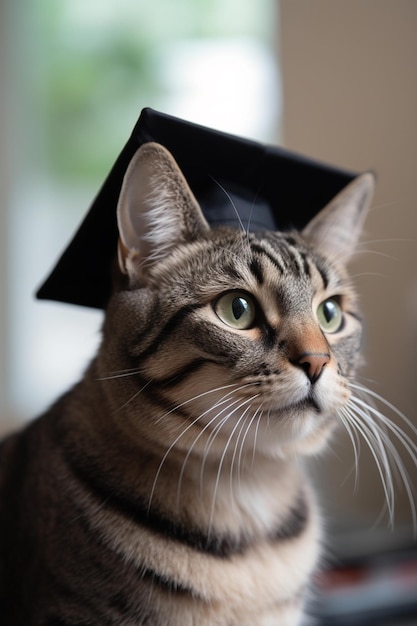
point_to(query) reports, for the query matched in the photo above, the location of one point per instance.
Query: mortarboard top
(270, 187)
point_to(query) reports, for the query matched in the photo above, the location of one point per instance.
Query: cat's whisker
(207, 447)
(229, 197)
(255, 438)
(191, 447)
(252, 208)
(405, 439)
(367, 275)
(244, 416)
(399, 469)
(223, 400)
(370, 412)
(198, 397)
(376, 447)
(223, 456)
(363, 249)
(268, 417)
(239, 463)
(187, 428)
(368, 242)
(369, 393)
(359, 251)
(214, 434)
(200, 434)
(366, 418)
(120, 374)
(133, 397)
(389, 204)
(344, 417)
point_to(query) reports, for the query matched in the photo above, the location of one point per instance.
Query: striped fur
(166, 488)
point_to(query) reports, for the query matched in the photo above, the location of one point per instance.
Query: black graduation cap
(269, 187)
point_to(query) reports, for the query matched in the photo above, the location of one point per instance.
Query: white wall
(350, 98)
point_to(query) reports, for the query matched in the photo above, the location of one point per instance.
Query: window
(78, 73)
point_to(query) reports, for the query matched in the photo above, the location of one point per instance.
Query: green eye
(236, 310)
(330, 316)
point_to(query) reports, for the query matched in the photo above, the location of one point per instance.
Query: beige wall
(350, 98)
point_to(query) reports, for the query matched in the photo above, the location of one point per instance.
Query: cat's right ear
(336, 229)
(156, 212)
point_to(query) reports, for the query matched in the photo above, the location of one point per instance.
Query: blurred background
(333, 79)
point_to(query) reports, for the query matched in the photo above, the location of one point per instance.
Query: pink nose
(313, 363)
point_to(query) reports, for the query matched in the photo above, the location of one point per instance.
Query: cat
(167, 487)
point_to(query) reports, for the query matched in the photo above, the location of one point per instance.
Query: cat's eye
(330, 316)
(236, 309)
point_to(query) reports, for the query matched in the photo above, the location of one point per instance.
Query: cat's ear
(156, 211)
(336, 229)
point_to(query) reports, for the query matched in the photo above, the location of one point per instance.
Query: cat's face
(238, 341)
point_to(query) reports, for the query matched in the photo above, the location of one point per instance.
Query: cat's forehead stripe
(284, 257)
(257, 270)
(277, 262)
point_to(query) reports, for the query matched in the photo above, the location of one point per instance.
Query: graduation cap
(269, 187)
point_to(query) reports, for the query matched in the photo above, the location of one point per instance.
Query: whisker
(220, 466)
(255, 439)
(214, 434)
(383, 255)
(228, 196)
(235, 449)
(135, 395)
(398, 466)
(121, 374)
(252, 209)
(206, 427)
(368, 392)
(404, 439)
(390, 203)
(367, 275)
(182, 433)
(376, 448)
(218, 403)
(367, 242)
(344, 416)
(197, 397)
(239, 463)
(367, 418)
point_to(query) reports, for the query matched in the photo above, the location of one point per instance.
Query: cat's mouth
(307, 404)
(313, 403)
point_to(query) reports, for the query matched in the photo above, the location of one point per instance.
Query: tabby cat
(166, 488)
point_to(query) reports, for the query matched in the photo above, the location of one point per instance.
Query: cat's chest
(221, 577)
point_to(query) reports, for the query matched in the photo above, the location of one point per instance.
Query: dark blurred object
(377, 588)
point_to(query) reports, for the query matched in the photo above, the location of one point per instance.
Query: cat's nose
(313, 363)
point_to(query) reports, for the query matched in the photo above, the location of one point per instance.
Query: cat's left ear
(156, 211)
(336, 229)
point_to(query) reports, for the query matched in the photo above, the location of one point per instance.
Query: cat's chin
(309, 446)
(316, 440)
(303, 429)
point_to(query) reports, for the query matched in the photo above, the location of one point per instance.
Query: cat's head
(231, 336)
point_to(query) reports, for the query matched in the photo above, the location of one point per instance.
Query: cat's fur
(166, 487)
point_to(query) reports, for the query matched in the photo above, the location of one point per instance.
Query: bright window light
(84, 70)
